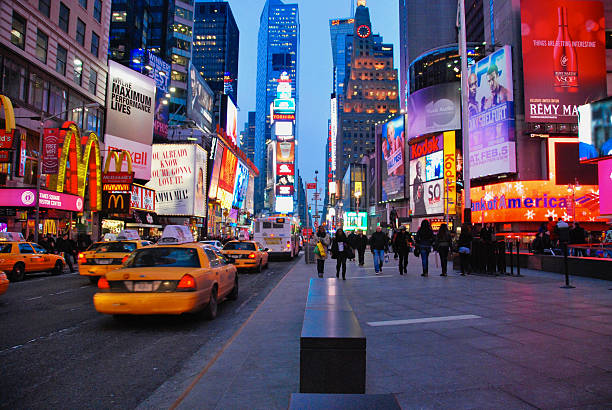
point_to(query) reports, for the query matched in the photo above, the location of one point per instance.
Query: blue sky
(315, 66)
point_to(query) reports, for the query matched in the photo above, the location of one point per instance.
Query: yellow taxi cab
(247, 254)
(102, 257)
(4, 283)
(18, 257)
(175, 276)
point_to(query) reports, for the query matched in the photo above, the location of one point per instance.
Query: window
(80, 32)
(103, 247)
(18, 31)
(25, 248)
(39, 249)
(58, 100)
(14, 80)
(95, 43)
(42, 42)
(164, 256)
(64, 17)
(97, 11)
(119, 16)
(239, 246)
(93, 81)
(212, 258)
(6, 248)
(609, 39)
(78, 71)
(83, 4)
(44, 6)
(62, 57)
(38, 95)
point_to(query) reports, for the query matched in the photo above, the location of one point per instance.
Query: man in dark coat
(379, 243)
(401, 244)
(352, 241)
(361, 242)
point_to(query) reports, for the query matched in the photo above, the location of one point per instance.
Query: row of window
(61, 62)
(44, 6)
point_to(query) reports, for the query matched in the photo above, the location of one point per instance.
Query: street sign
(311, 185)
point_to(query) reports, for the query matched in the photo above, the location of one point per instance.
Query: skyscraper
(248, 137)
(423, 28)
(341, 32)
(277, 52)
(215, 47)
(370, 92)
(163, 27)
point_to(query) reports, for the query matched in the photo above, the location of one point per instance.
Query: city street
(56, 351)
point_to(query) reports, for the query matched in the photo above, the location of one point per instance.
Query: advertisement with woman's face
(393, 157)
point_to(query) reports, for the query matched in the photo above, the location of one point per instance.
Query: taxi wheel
(210, 311)
(59, 268)
(258, 270)
(18, 272)
(233, 295)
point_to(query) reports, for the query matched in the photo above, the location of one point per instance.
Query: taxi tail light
(251, 255)
(103, 283)
(82, 258)
(187, 282)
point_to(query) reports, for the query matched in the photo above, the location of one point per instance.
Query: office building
(277, 52)
(248, 137)
(370, 94)
(215, 47)
(423, 28)
(341, 35)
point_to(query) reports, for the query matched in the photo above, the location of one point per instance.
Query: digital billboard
(285, 169)
(564, 61)
(214, 176)
(393, 158)
(231, 120)
(285, 152)
(200, 100)
(227, 174)
(130, 103)
(434, 109)
(605, 187)
(178, 176)
(284, 204)
(426, 172)
(595, 130)
(240, 189)
(491, 115)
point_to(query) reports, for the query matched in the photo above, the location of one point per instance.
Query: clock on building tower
(363, 31)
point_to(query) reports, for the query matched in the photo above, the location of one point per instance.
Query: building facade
(277, 52)
(248, 137)
(215, 47)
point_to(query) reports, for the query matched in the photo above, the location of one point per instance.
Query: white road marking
(423, 320)
(371, 277)
(35, 297)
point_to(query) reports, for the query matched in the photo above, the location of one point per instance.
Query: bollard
(518, 258)
(511, 259)
(567, 283)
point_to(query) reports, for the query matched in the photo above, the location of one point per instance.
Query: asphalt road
(56, 351)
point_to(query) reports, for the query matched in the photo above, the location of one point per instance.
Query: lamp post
(572, 188)
(40, 147)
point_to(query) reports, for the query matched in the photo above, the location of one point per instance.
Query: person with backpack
(424, 241)
(341, 251)
(401, 244)
(443, 243)
(321, 241)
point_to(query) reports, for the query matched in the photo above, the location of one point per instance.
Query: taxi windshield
(239, 246)
(164, 257)
(123, 247)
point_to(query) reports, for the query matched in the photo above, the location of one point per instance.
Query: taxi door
(264, 254)
(226, 269)
(31, 260)
(46, 262)
(218, 269)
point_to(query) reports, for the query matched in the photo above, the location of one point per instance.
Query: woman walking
(443, 242)
(321, 242)
(424, 241)
(341, 251)
(465, 247)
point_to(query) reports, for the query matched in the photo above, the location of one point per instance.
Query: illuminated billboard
(334, 131)
(427, 172)
(393, 158)
(285, 152)
(284, 204)
(214, 176)
(564, 63)
(434, 109)
(491, 115)
(355, 220)
(595, 130)
(240, 187)
(200, 100)
(605, 187)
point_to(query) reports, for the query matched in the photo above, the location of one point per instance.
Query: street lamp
(40, 147)
(572, 188)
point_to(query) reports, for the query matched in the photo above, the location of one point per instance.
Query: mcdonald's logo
(8, 133)
(115, 199)
(117, 203)
(119, 157)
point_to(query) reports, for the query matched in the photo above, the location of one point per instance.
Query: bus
(281, 235)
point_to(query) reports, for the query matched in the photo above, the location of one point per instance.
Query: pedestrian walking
(401, 243)
(321, 241)
(379, 242)
(341, 251)
(67, 246)
(352, 241)
(464, 245)
(361, 244)
(393, 236)
(443, 242)
(424, 242)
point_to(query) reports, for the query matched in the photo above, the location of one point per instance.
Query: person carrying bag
(321, 241)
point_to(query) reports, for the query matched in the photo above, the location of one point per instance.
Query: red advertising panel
(311, 185)
(563, 57)
(227, 174)
(6, 139)
(285, 169)
(5, 156)
(50, 163)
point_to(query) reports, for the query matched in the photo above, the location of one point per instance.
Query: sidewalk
(529, 344)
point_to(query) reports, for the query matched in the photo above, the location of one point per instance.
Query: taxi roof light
(108, 237)
(11, 236)
(176, 234)
(128, 235)
(103, 283)
(186, 282)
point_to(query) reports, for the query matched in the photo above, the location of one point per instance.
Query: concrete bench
(332, 344)
(301, 401)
